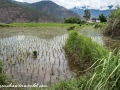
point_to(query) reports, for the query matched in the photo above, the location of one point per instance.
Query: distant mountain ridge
(20, 3)
(53, 9)
(12, 12)
(94, 12)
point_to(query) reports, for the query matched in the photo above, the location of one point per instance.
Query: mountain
(12, 12)
(53, 9)
(94, 12)
(20, 3)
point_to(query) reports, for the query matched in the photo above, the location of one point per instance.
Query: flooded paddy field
(97, 35)
(93, 33)
(17, 52)
(36, 55)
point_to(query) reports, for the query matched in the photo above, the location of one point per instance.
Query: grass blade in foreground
(108, 77)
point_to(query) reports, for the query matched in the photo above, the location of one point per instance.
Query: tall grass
(106, 66)
(106, 77)
(81, 50)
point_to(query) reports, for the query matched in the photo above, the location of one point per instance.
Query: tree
(87, 14)
(102, 18)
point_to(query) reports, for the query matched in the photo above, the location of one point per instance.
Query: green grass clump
(4, 25)
(3, 78)
(81, 50)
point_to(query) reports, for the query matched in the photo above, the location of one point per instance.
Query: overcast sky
(72, 3)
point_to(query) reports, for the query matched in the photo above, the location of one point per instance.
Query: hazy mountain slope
(11, 12)
(53, 9)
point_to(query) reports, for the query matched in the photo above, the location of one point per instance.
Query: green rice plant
(1, 66)
(34, 54)
(52, 72)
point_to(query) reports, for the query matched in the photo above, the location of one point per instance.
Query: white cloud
(71, 3)
(20, 0)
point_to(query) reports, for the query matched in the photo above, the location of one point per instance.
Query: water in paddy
(16, 52)
(93, 33)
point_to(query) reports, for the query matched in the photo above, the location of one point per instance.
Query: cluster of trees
(87, 16)
(77, 20)
(102, 18)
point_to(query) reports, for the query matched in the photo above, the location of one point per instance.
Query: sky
(94, 4)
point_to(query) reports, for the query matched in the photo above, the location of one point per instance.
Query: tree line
(87, 16)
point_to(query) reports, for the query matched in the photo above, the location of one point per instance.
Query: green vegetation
(3, 78)
(106, 77)
(71, 28)
(102, 25)
(105, 68)
(82, 50)
(87, 14)
(102, 18)
(113, 27)
(35, 24)
(34, 54)
(98, 68)
(72, 20)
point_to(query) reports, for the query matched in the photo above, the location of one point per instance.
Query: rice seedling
(18, 50)
(52, 72)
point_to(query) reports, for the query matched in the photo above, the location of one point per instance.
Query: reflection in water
(49, 66)
(94, 34)
(20, 37)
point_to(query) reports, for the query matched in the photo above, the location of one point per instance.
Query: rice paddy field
(34, 53)
(17, 45)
